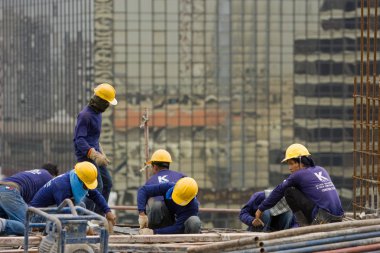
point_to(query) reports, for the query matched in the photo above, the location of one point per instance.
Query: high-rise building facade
(228, 85)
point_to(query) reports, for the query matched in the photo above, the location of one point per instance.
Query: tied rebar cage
(366, 178)
(46, 66)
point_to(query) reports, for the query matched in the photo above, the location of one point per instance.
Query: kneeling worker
(308, 190)
(277, 218)
(179, 213)
(75, 185)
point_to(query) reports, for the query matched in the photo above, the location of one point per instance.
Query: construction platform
(347, 236)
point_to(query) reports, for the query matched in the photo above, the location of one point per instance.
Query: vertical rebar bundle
(367, 116)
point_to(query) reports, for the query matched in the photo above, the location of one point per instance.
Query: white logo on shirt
(35, 172)
(320, 177)
(163, 179)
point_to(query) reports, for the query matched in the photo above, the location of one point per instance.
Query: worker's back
(165, 176)
(30, 182)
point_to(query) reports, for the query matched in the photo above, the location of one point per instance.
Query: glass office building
(228, 85)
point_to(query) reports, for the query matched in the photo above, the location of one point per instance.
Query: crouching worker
(16, 192)
(308, 190)
(177, 214)
(75, 185)
(277, 218)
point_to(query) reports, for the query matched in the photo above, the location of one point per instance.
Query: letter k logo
(320, 177)
(163, 179)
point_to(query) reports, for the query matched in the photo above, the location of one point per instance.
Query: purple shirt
(248, 211)
(87, 132)
(30, 182)
(180, 213)
(315, 183)
(164, 176)
(59, 189)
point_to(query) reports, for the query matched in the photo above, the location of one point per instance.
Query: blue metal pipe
(292, 246)
(338, 245)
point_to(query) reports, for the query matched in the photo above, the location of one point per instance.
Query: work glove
(111, 221)
(146, 231)
(101, 151)
(90, 231)
(98, 158)
(143, 221)
(111, 217)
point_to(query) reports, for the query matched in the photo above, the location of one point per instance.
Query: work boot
(301, 219)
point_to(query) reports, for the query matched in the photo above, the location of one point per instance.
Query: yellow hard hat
(160, 155)
(184, 191)
(295, 150)
(87, 173)
(107, 92)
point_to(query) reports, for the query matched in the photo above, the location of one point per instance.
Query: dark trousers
(104, 187)
(159, 217)
(298, 202)
(303, 207)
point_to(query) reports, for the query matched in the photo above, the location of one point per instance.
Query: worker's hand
(98, 158)
(103, 153)
(143, 220)
(258, 223)
(146, 231)
(111, 218)
(90, 231)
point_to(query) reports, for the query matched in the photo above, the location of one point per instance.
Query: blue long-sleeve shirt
(164, 176)
(247, 213)
(315, 183)
(59, 189)
(181, 213)
(87, 132)
(30, 182)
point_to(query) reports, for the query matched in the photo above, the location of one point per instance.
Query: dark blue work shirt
(87, 132)
(30, 182)
(59, 189)
(315, 183)
(164, 176)
(180, 213)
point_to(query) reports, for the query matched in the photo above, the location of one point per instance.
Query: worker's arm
(99, 200)
(147, 191)
(247, 213)
(81, 133)
(277, 194)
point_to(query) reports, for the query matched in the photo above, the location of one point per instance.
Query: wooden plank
(19, 240)
(177, 238)
(18, 250)
(147, 248)
(209, 237)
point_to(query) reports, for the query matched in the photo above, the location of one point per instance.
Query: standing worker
(15, 194)
(75, 185)
(179, 214)
(87, 133)
(308, 190)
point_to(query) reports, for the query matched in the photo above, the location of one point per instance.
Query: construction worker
(87, 133)
(277, 218)
(75, 185)
(309, 191)
(160, 162)
(16, 192)
(179, 214)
